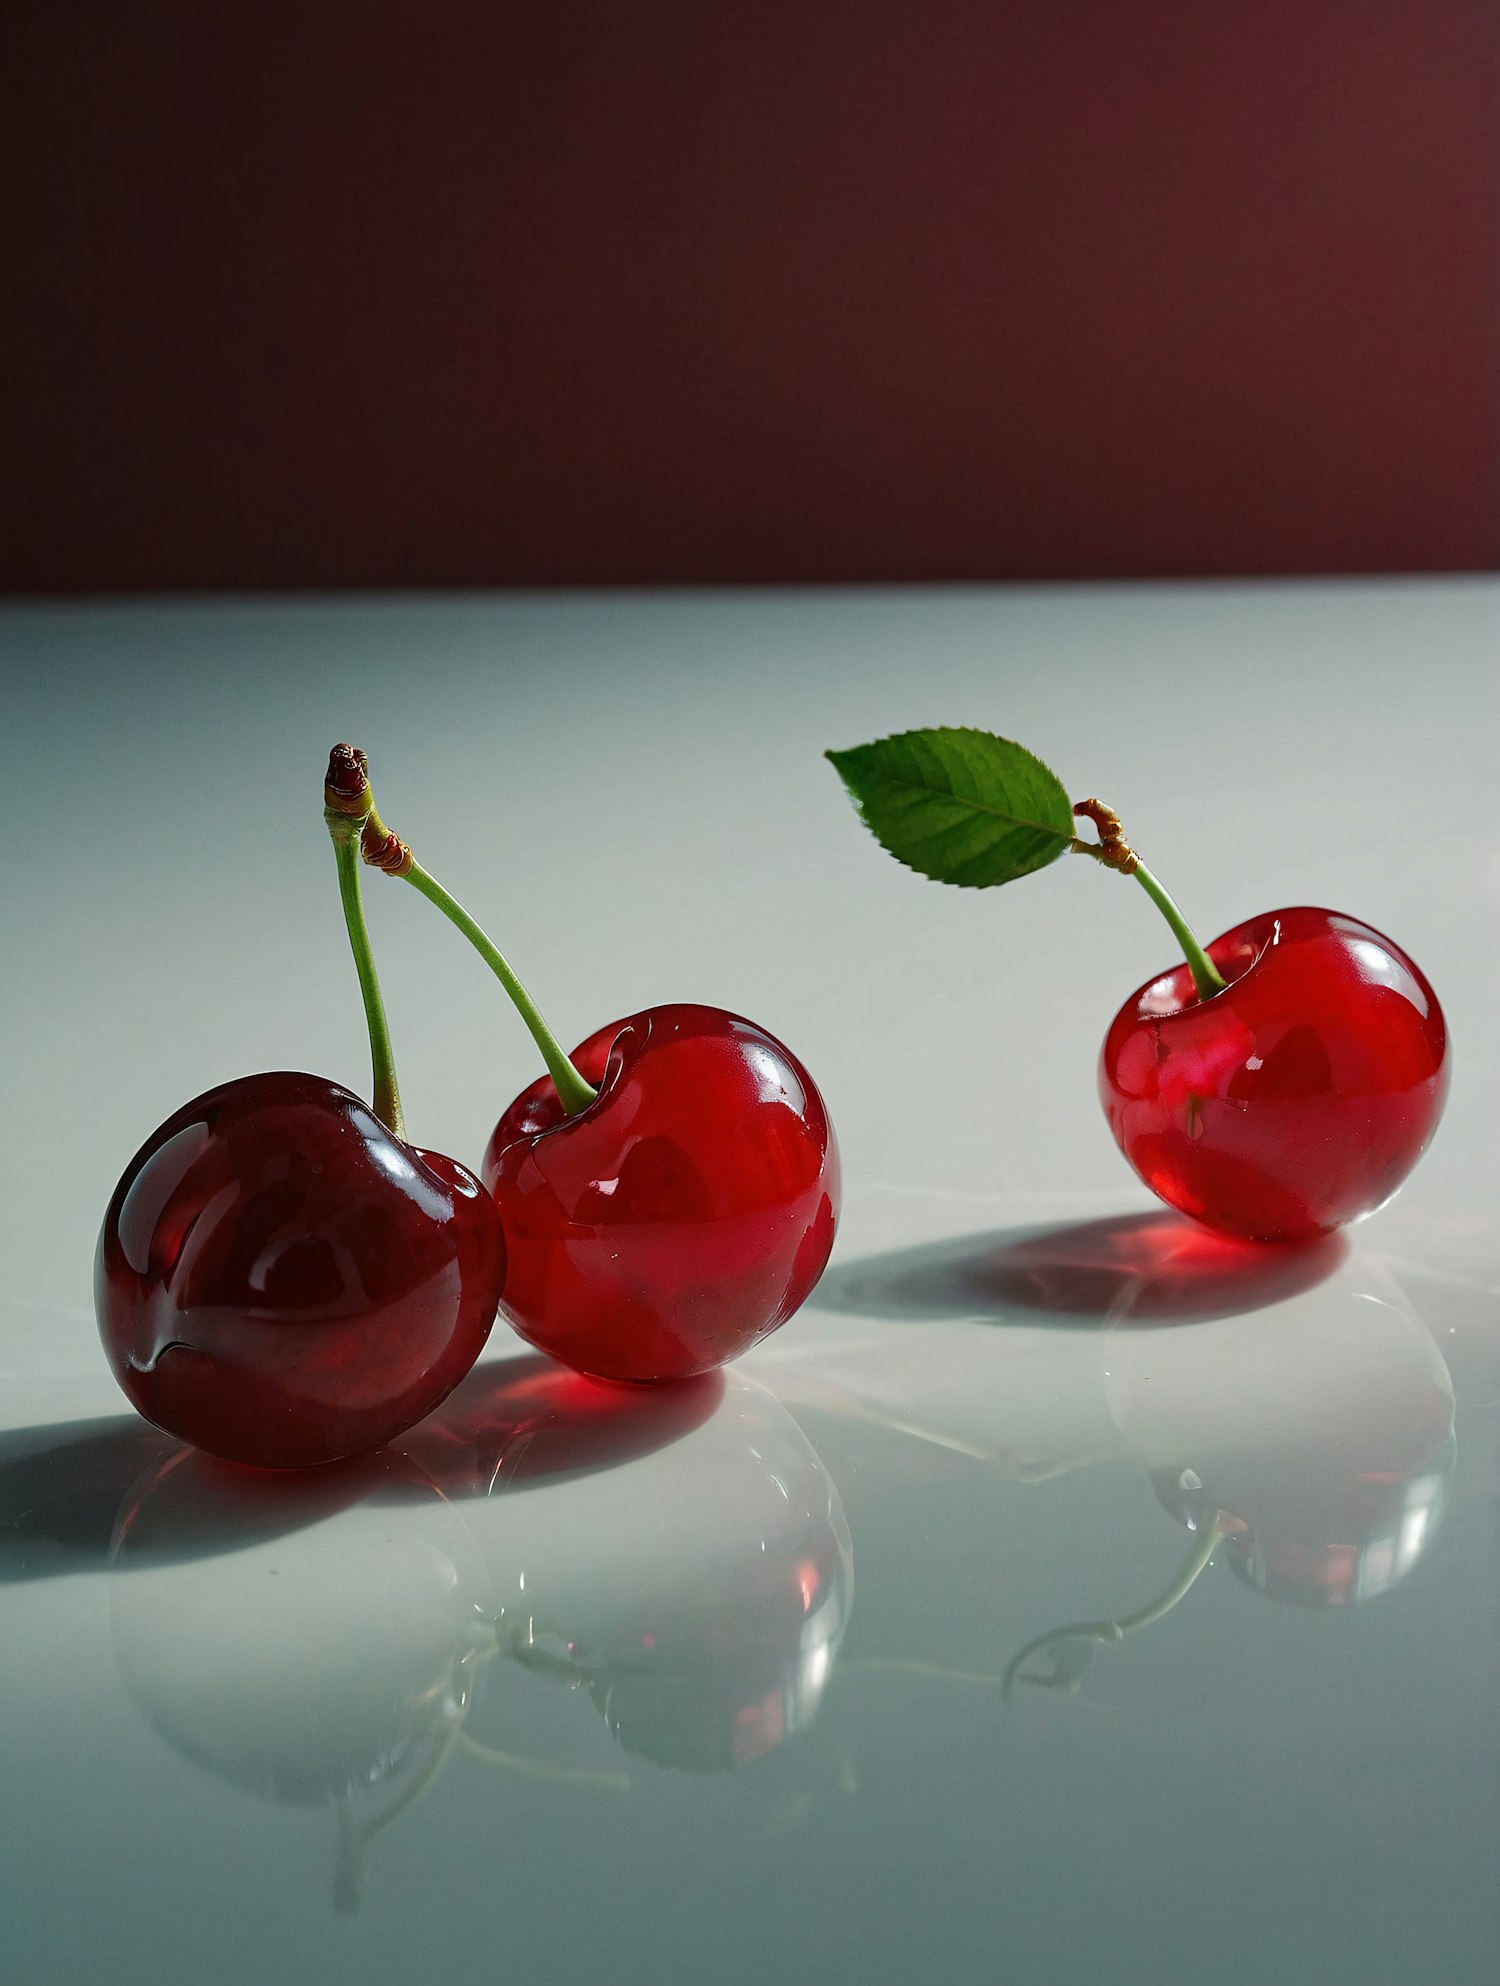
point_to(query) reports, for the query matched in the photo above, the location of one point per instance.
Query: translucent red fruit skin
(282, 1282)
(1295, 1100)
(683, 1215)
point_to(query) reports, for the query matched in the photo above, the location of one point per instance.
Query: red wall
(377, 294)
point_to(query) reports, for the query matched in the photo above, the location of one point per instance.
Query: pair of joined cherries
(283, 1279)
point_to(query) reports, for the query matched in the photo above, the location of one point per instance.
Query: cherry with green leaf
(1274, 1084)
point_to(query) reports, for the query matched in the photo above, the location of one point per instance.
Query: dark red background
(376, 294)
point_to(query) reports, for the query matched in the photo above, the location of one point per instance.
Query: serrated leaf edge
(953, 731)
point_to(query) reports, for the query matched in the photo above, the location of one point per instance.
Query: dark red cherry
(1295, 1100)
(281, 1281)
(682, 1215)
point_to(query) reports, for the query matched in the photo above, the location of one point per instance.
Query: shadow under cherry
(1148, 1268)
(71, 1490)
(518, 1423)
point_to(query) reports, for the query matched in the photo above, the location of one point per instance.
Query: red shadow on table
(70, 1489)
(516, 1423)
(1156, 1268)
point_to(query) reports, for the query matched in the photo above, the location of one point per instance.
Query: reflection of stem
(840, 1403)
(1195, 1563)
(913, 1665)
(356, 1838)
(551, 1775)
(1111, 1633)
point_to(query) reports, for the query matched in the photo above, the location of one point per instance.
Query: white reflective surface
(711, 1686)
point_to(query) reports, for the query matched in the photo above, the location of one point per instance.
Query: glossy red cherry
(282, 1281)
(1294, 1100)
(679, 1217)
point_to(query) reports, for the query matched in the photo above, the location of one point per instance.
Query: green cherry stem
(1115, 852)
(385, 851)
(347, 803)
(573, 1092)
(1206, 975)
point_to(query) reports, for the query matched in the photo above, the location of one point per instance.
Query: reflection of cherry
(283, 1281)
(700, 1592)
(1294, 1100)
(1322, 1438)
(680, 1216)
(1311, 1449)
(315, 1663)
(1335, 1535)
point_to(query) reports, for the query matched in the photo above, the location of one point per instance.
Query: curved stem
(355, 1838)
(1100, 1631)
(573, 1092)
(1195, 1563)
(911, 1665)
(1115, 852)
(552, 1775)
(344, 830)
(1206, 975)
(386, 851)
(1111, 1633)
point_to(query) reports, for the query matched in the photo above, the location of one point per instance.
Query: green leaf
(959, 805)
